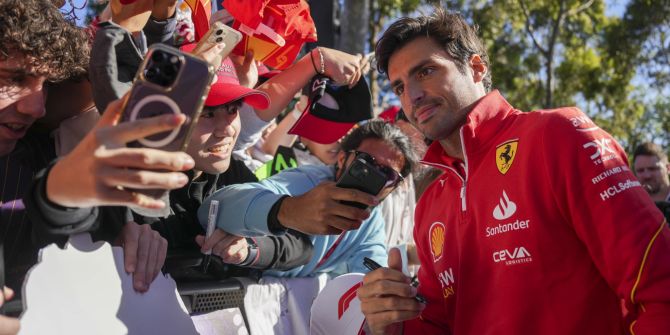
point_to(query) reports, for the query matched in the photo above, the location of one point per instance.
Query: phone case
(185, 94)
(363, 177)
(219, 33)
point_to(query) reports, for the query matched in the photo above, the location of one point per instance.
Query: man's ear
(478, 67)
(339, 167)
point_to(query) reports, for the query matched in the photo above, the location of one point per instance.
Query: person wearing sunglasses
(307, 199)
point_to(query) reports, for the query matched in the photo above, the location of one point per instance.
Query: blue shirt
(243, 210)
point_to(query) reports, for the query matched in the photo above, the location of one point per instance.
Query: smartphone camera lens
(219, 39)
(219, 32)
(163, 68)
(169, 71)
(152, 73)
(359, 172)
(159, 57)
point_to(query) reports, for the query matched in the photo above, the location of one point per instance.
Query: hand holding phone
(362, 176)
(169, 81)
(218, 34)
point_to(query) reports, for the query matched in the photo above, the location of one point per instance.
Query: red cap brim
(320, 130)
(222, 93)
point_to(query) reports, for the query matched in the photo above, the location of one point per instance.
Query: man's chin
(651, 189)
(218, 167)
(6, 147)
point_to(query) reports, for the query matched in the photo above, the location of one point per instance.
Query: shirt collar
(486, 119)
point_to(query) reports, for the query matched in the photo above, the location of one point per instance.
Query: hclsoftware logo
(505, 208)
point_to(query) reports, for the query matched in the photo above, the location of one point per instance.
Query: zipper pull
(463, 197)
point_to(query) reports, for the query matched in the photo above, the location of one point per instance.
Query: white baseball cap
(337, 309)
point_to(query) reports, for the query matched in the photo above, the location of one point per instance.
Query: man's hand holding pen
(388, 297)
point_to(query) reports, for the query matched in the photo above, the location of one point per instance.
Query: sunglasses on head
(393, 177)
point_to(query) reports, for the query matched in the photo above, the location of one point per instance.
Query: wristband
(321, 62)
(252, 253)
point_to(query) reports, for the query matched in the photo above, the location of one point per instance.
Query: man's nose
(32, 104)
(415, 93)
(224, 125)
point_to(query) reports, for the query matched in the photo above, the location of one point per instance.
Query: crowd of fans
(67, 168)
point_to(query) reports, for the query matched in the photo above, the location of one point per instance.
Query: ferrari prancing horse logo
(505, 154)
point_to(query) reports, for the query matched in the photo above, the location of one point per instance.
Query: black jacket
(51, 221)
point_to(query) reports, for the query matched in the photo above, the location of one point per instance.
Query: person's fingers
(129, 242)
(122, 197)
(217, 236)
(112, 113)
(212, 53)
(237, 252)
(152, 261)
(387, 288)
(142, 180)
(223, 246)
(162, 254)
(126, 132)
(143, 250)
(350, 194)
(395, 259)
(355, 78)
(348, 212)
(146, 159)
(384, 274)
(230, 249)
(339, 224)
(8, 294)
(248, 60)
(9, 326)
(200, 240)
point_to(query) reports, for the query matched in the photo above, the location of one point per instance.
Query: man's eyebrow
(14, 71)
(412, 71)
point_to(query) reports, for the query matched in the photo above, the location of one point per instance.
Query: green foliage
(616, 69)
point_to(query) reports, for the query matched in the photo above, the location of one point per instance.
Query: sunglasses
(393, 177)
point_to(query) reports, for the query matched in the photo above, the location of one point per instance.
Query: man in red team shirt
(537, 225)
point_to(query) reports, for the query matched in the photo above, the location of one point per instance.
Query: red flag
(274, 29)
(201, 11)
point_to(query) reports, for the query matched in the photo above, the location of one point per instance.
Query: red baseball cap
(333, 110)
(227, 87)
(389, 114)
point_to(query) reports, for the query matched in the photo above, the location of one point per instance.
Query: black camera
(363, 176)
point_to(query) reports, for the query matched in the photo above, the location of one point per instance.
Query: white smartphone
(219, 33)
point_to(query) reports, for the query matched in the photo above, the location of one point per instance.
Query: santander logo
(505, 208)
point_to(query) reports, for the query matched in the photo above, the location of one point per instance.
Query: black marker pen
(372, 265)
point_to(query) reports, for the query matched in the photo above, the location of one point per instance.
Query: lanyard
(331, 250)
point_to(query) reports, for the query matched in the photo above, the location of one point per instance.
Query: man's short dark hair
(447, 29)
(650, 149)
(382, 130)
(50, 46)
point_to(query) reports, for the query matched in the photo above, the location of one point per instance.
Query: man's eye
(398, 90)
(19, 79)
(425, 72)
(207, 115)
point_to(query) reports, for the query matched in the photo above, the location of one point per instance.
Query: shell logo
(436, 238)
